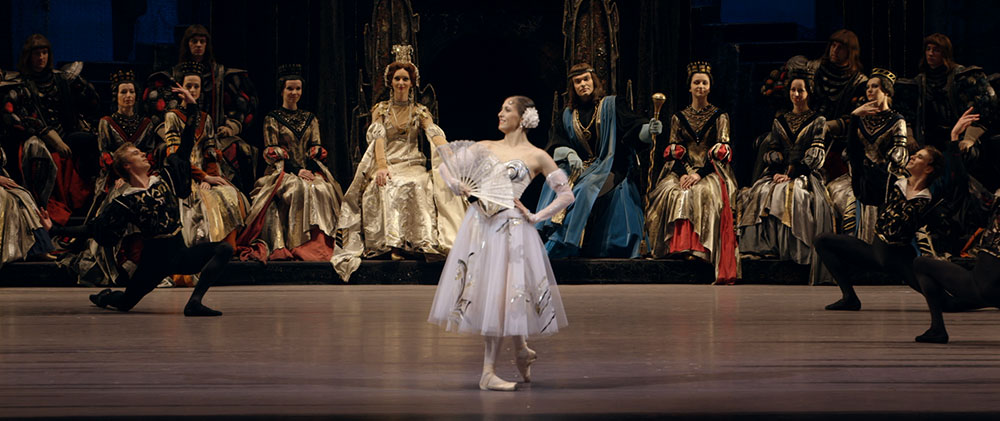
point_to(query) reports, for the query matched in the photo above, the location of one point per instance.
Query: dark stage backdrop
(477, 53)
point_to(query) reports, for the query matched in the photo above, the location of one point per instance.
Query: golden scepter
(658, 100)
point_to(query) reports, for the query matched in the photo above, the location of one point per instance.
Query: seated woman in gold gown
(691, 208)
(788, 205)
(215, 210)
(295, 204)
(394, 204)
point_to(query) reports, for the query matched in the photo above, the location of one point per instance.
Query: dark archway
(476, 55)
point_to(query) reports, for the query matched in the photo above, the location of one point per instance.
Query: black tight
(941, 280)
(845, 256)
(163, 257)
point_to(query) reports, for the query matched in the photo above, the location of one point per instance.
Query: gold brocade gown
(782, 219)
(293, 206)
(208, 215)
(414, 212)
(701, 135)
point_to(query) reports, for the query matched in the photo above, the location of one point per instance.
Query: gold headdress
(888, 79)
(885, 74)
(404, 54)
(699, 67)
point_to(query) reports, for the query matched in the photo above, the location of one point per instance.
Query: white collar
(152, 180)
(903, 182)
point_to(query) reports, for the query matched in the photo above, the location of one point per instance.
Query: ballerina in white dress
(497, 281)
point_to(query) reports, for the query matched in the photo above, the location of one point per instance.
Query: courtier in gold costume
(215, 209)
(788, 206)
(691, 208)
(295, 204)
(882, 133)
(394, 204)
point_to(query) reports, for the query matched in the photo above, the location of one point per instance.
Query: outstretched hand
(963, 123)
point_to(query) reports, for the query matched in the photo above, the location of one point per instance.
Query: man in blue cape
(596, 142)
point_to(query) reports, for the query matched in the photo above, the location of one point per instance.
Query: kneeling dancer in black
(152, 205)
(977, 288)
(902, 212)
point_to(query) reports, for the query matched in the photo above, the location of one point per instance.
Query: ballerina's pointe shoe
(525, 358)
(490, 381)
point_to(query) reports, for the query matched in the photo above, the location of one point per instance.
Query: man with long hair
(596, 141)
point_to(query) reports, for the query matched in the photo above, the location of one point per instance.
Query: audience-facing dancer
(902, 207)
(152, 205)
(497, 281)
(789, 206)
(691, 208)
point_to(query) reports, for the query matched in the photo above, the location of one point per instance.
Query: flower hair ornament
(529, 119)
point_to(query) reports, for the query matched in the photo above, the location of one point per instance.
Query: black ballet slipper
(100, 299)
(845, 304)
(933, 336)
(199, 310)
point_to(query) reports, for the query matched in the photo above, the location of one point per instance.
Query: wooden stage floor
(366, 351)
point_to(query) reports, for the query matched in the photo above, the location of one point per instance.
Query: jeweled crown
(884, 73)
(122, 76)
(404, 54)
(699, 67)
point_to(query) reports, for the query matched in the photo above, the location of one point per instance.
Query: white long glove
(559, 183)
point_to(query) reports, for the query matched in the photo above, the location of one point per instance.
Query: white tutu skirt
(497, 280)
